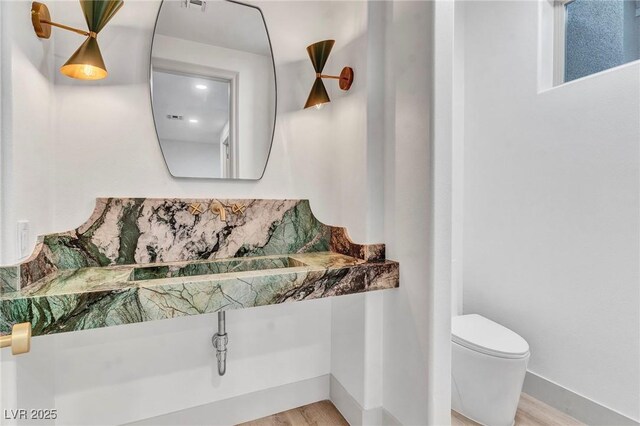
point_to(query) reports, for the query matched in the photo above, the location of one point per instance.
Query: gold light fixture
(86, 63)
(319, 53)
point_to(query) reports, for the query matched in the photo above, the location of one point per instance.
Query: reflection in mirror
(213, 89)
(194, 122)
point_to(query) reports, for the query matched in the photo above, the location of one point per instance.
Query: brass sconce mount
(41, 18)
(319, 53)
(345, 79)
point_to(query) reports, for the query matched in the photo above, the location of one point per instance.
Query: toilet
(488, 366)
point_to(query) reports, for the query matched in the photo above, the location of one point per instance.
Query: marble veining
(139, 259)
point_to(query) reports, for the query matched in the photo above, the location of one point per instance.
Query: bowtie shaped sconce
(86, 63)
(319, 53)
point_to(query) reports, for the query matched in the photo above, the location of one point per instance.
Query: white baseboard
(388, 419)
(575, 405)
(247, 407)
(264, 403)
(353, 412)
(344, 402)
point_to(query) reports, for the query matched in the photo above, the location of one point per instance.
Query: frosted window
(600, 34)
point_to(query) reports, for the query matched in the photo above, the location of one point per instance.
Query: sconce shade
(319, 53)
(98, 13)
(318, 94)
(86, 63)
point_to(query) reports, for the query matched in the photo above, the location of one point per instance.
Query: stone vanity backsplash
(140, 259)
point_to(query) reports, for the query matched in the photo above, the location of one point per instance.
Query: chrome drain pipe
(220, 340)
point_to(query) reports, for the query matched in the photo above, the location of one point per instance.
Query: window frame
(559, 39)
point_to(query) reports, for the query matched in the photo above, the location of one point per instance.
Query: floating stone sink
(191, 269)
(139, 260)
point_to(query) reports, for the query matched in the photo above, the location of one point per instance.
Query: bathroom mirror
(213, 89)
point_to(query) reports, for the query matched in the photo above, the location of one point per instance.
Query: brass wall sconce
(86, 63)
(19, 339)
(319, 53)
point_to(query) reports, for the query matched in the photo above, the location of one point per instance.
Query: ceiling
(223, 24)
(175, 94)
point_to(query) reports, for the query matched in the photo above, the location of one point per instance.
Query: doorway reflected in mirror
(213, 90)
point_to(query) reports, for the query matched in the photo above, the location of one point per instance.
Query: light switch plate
(23, 238)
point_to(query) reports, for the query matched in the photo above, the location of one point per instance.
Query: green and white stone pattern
(141, 259)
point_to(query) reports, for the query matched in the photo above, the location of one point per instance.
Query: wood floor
(531, 412)
(322, 413)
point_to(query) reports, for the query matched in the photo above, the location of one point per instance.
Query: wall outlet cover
(23, 238)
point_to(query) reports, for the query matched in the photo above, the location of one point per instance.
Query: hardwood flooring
(531, 412)
(322, 413)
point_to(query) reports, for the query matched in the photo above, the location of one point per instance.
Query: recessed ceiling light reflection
(201, 86)
(193, 120)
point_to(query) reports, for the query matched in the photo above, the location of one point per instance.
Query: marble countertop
(93, 297)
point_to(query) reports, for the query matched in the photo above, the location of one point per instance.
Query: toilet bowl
(488, 366)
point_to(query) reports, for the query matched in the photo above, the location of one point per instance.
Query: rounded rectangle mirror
(213, 89)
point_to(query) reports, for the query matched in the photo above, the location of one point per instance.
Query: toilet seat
(480, 334)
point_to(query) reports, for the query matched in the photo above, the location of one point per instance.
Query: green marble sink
(215, 267)
(140, 259)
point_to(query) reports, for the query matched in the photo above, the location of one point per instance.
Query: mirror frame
(275, 98)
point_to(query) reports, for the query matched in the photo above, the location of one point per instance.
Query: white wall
(356, 338)
(27, 69)
(192, 158)
(551, 202)
(413, 148)
(416, 373)
(25, 136)
(138, 372)
(457, 158)
(255, 93)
